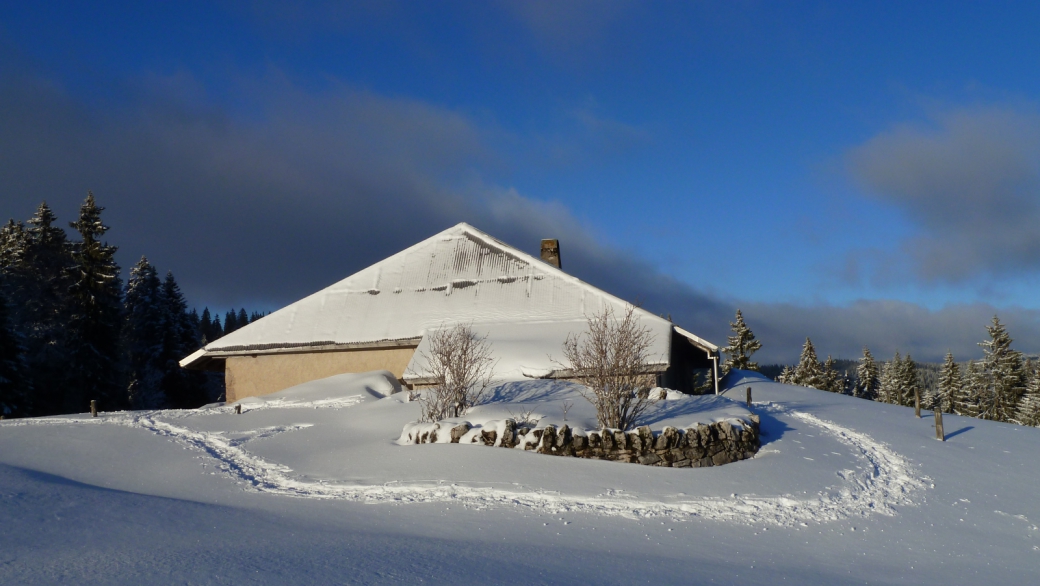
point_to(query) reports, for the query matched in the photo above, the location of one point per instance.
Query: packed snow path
(883, 480)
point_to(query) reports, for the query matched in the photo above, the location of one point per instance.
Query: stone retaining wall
(712, 444)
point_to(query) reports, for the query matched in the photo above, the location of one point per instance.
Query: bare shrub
(461, 366)
(611, 359)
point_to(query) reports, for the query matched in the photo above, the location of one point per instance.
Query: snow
(460, 275)
(311, 485)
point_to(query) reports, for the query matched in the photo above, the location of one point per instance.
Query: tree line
(1002, 386)
(71, 332)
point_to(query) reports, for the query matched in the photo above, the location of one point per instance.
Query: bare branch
(611, 360)
(461, 364)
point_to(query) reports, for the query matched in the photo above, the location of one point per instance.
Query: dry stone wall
(703, 445)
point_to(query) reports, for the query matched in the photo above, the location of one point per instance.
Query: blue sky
(850, 164)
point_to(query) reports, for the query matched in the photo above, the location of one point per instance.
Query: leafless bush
(566, 407)
(524, 417)
(460, 363)
(610, 359)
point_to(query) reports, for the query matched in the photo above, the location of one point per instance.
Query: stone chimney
(551, 252)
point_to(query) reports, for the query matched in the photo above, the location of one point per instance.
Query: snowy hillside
(310, 485)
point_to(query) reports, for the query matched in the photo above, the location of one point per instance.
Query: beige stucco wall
(252, 376)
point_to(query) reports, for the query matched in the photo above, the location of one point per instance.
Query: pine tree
(15, 389)
(867, 376)
(95, 317)
(786, 376)
(809, 372)
(967, 401)
(12, 245)
(832, 379)
(1004, 375)
(909, 382)
(243, 318)
(1028, 411)
(183, 389)
(705, 384)
(37, 286)
(949, 388)
(742, 344)
(231, 322)
(889, 383)
(143, 337)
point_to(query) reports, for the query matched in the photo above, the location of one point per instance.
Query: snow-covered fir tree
(909, 382)
(15, 386)
(742, 344)
(809, 372)
(833, 380)
(1028, 410)
(95, 317)
(38, 293)
(867, 376)
(1004, 376)
(888, 381)
(143, 337)
(12, 245)
(704, 382)
(949, 386)
(966, 401)
(786, 376)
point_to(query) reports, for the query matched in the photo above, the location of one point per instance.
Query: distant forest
(927, 372)
(71, 332)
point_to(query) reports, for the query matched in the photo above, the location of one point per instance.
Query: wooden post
(940, 434)
(93, 408)
(917, 403)
(749, 396)
(238, 409)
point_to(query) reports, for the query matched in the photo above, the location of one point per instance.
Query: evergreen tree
(967, 401)
(255, 316)
(37, 286)
(832, 379)
(1028, 411)
(208, 327)
(742, 344)
(12, 245)
(949, 388)
(867, 376)
(184, 389)
(787, 375)
(95, 317)
(15, 390)
(143, 337)
(809, 372)
(909, 383)
(243, 318)
(889, 383)
(1004, 380)
(705, 384)
(231, 322)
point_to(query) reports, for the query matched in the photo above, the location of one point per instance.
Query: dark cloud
(970, 181)
(263, 208)
(885, 326)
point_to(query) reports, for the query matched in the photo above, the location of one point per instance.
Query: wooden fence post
(749, 396)
(917, 403)
(93, 408)
(238, 409)
(940, 434)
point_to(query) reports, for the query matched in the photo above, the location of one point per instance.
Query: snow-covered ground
(310, 485)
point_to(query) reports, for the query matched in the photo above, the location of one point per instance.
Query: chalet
(379, 318)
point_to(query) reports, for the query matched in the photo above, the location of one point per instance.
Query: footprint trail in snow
(886, 481)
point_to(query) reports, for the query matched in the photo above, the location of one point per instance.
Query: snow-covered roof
(460, 275)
